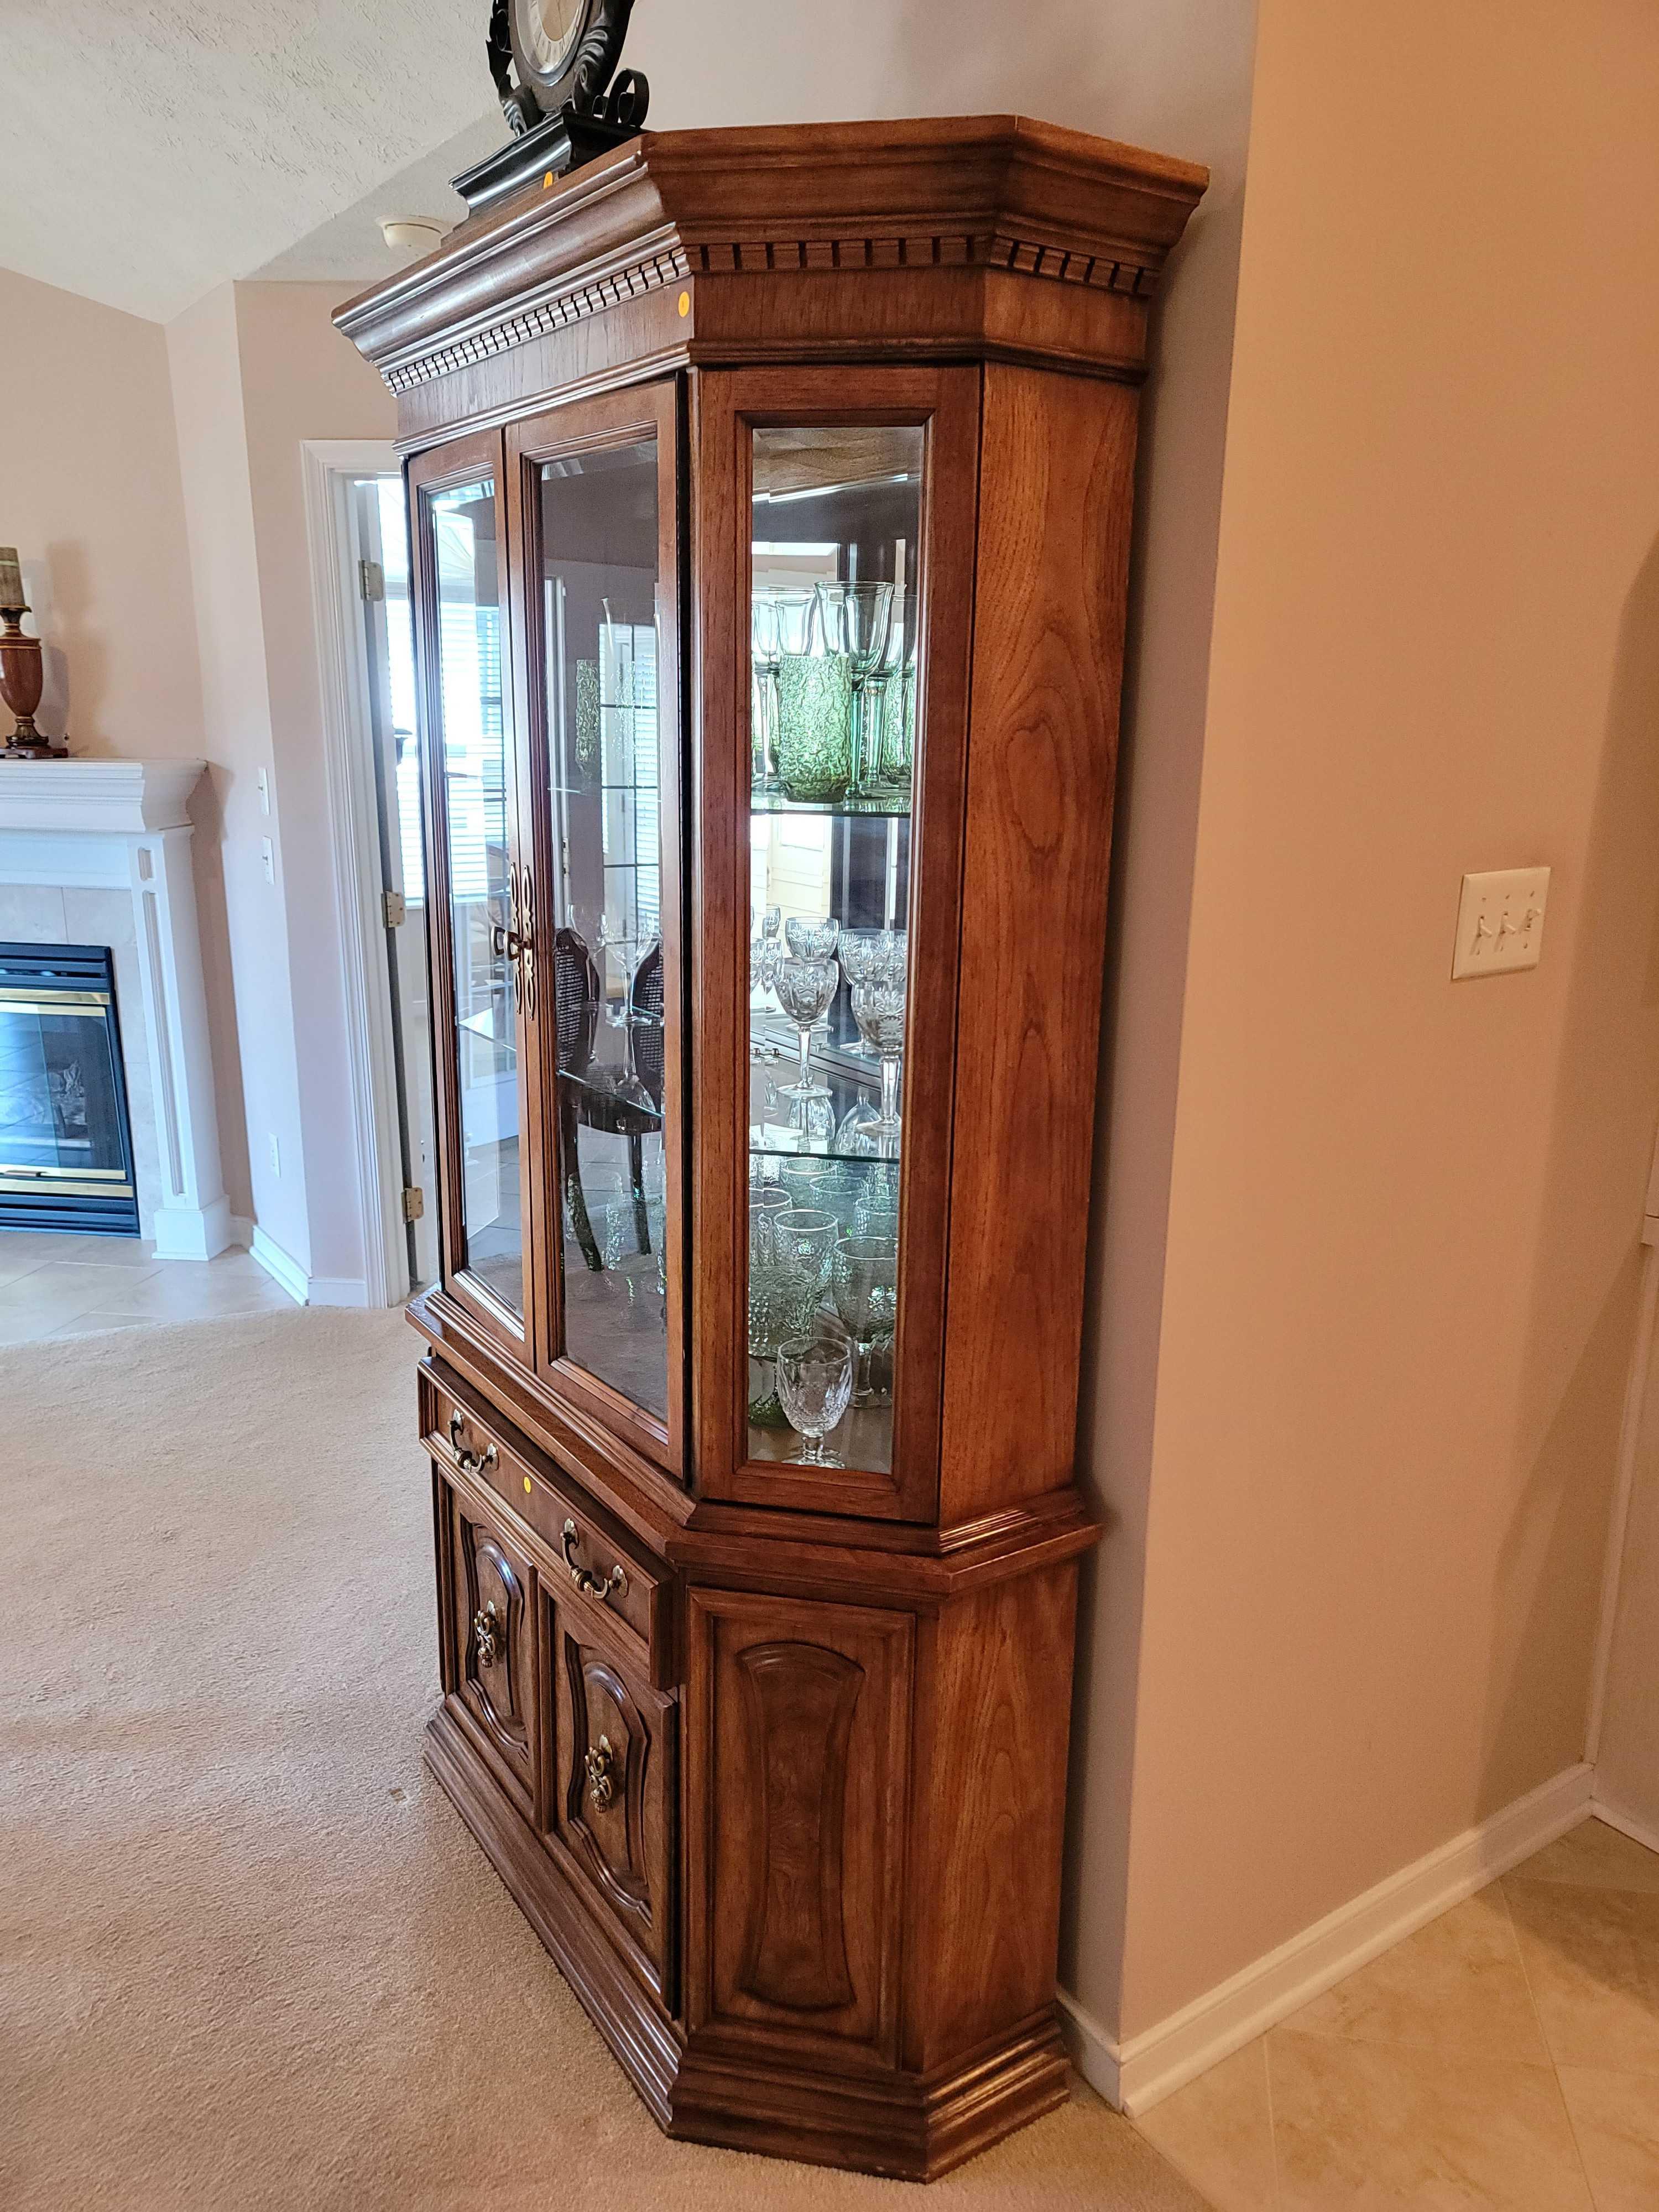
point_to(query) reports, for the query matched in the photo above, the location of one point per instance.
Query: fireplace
(65, 1136)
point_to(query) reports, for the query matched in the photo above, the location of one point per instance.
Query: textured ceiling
(154, 149)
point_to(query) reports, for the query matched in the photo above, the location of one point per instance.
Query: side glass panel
(836, 531)
(599, 537)
(476, 775)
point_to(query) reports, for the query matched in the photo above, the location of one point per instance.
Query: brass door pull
(593, 1585)
(600, 1761)
(488, 1635)
(470, 1462)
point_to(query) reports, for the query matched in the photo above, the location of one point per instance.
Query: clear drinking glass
(805, 1238)
(864, 1279)
(856, 618)
(815, 1386)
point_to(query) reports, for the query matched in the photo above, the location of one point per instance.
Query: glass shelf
(831, 810)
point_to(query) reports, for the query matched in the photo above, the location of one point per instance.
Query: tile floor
(1507, 2055)
(57, 1285)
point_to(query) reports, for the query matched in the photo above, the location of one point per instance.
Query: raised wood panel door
(833, 592)
(798, 1782)
(490, 1654)
(615, 1786)
(476, 901)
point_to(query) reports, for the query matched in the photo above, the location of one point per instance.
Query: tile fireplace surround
(98, 852)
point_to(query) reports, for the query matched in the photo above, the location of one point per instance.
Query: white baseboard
(1134, 2075)
(278, 1265)
(1628, 1824)
(304, 1290)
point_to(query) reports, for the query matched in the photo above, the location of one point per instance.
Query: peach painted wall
(1400, 1282)
(300, 381)
(90, 493)
(257, 369)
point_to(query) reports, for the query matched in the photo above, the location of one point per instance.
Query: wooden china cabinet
(770, 493)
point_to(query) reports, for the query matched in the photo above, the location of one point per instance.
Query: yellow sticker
(526, 1485)
(686, 303)
(547, 180)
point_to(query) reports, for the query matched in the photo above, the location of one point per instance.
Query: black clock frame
(582, 94)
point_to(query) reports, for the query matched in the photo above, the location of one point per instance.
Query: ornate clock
(565, 53)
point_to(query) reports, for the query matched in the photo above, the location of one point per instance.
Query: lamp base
(32, 744)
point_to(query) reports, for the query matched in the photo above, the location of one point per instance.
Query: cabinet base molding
(910, 2127)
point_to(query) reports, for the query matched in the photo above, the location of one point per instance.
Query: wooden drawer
(490, 1619)
(576, 1545)
(612, 1748)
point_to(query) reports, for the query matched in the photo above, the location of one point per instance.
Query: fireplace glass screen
(65, 1140)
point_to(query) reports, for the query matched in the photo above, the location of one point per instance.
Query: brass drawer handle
(488, 1635)
(470, 1462)
(591, 1585)
(600, 1762)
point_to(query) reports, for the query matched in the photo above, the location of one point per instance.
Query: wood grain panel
(993, 1705)
(1056, 478)
(798, 1774)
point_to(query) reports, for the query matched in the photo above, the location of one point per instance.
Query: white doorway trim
(329, 466)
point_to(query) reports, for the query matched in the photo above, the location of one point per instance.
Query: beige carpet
(248, 1955)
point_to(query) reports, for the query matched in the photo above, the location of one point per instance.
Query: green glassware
(815, 727)
(587, 718)
(898, 734)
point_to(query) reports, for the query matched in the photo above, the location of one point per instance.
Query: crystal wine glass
(858, 951)
(856, 618)
(865, 1277)
(895, 714)
(812, 940)
(878, 1010)
(806, 989)
(814, 1385)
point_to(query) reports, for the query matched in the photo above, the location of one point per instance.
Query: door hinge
(393, 907)
(414, 1205)
(371, 580)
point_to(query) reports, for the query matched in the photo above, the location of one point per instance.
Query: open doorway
(360, 555)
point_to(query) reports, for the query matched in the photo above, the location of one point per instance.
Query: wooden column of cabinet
(773, 1754)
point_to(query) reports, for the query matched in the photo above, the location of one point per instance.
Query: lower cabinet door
(490, 1657)
(798, 1734)
(614, 1786)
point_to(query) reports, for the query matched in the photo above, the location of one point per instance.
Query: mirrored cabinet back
(770, 498)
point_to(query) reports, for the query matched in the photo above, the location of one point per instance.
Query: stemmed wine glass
(856, 618)
(764, 950)
(815, 1387)
(812, 940)
(866, 1279)
(806, 989)
(878, 1010)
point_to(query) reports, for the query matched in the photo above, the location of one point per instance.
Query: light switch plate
(1500, 922)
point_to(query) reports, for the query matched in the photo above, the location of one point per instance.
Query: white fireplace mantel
(124, 825)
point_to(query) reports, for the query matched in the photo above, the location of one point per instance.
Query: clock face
(545, 34)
